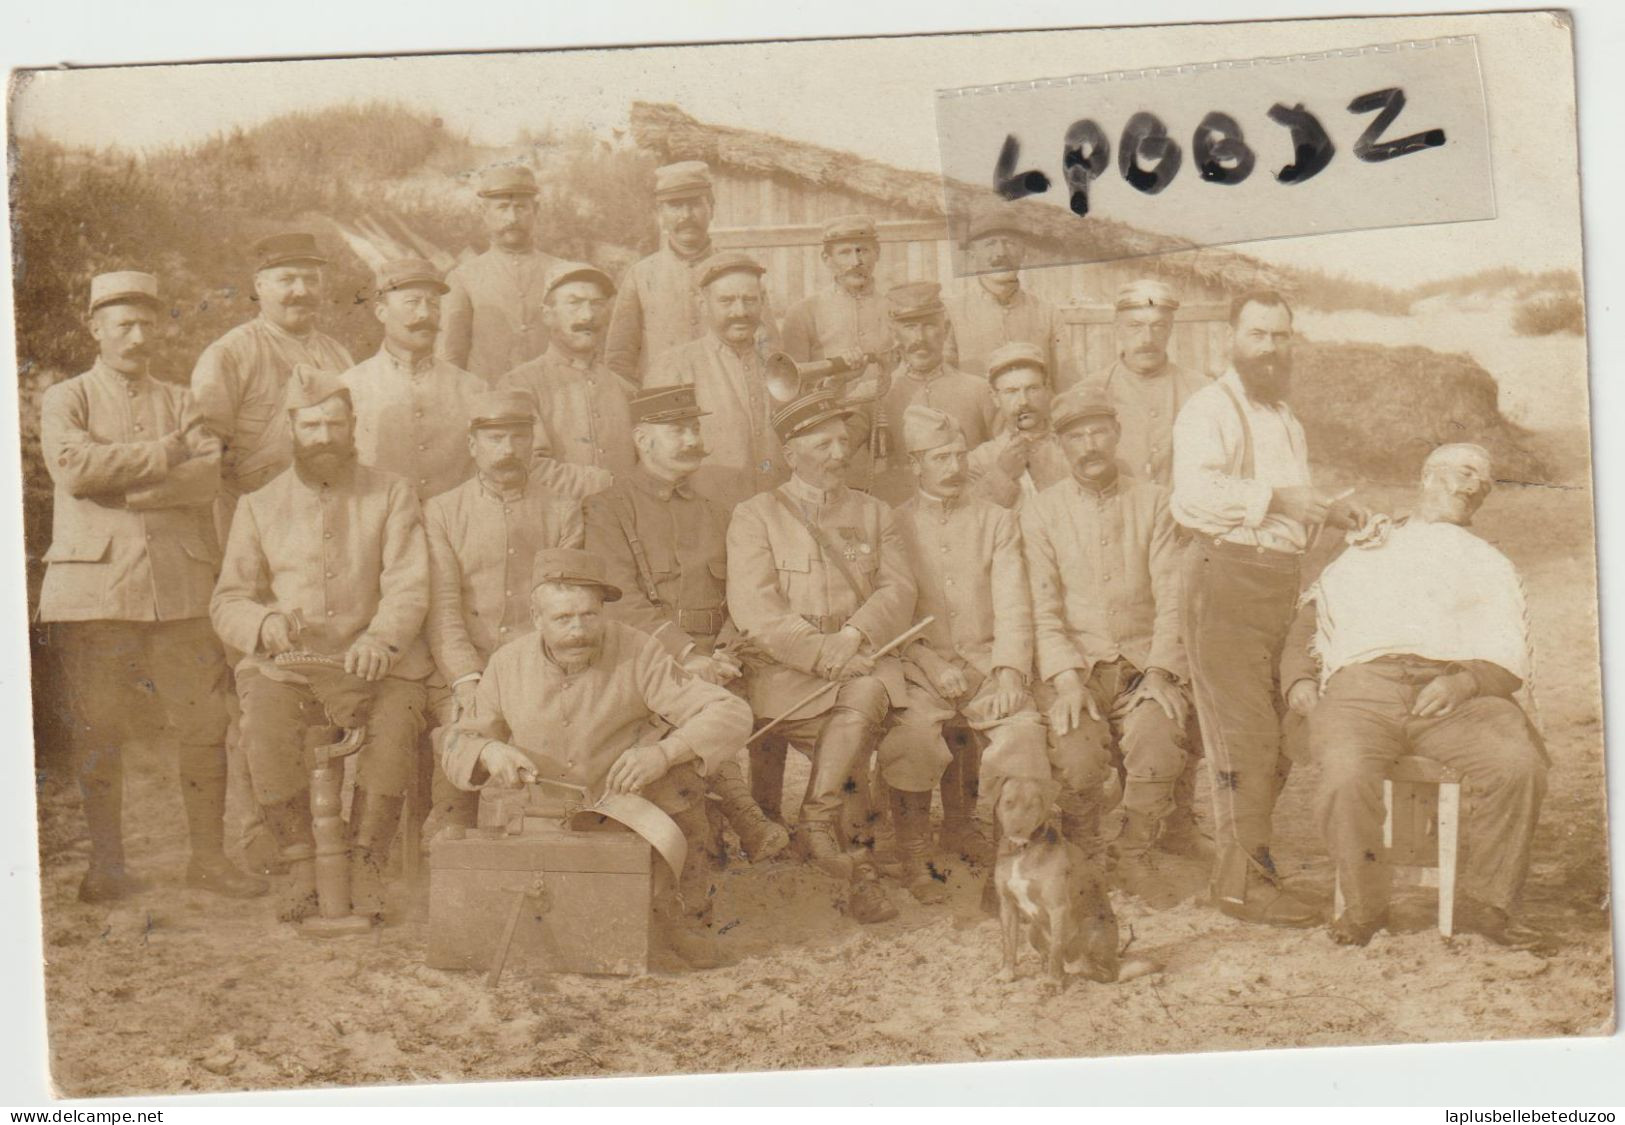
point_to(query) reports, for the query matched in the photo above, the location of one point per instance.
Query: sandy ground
(178, 991)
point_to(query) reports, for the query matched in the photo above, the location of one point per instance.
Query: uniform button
(1106, 578)
(949, 582)
(422, 448)
(417, 413)
(327, 535)
(502, 628)
(330, 613)
(423, 480)
(330, 574)
(507, 593)
(512, 550)
(138, 427)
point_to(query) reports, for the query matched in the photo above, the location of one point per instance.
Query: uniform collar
(343, 479)
(561, 357)
(547, 655)
(722, 346)
(932, 504)
(927, 377)
(118, 378)
(1102, 494)
(799, 489)
(277, 330)
(993, 294)
(505, 495)
(862, 295)
(699, 255)
(404, 365)
(662, 490)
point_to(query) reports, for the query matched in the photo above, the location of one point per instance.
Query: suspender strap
(629, 527)
(1248, 470)
(824, 545)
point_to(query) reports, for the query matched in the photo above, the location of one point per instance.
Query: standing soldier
(970, 667)
(127, 581)
(483, 536)
(847, 318)
(1026, 457)
(919, 327)
(585, 420)
(724, 367)
(1242, 486)
(494, 301)
(659, 305)
(1147, 389)
(817, 582)
(664, 543)
(327, 558)
(409, 404)
(992, 309)
(1104, 564)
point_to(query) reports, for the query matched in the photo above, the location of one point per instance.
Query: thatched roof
(674, 135)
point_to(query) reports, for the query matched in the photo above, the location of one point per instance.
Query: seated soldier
(1422, 641)
(602, 705)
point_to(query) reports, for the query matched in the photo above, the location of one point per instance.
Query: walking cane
(896, 642)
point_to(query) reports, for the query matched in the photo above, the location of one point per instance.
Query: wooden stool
(1421, 831)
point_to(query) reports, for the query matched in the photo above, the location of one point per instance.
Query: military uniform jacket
(967, 560)
(743, 454)
(585, 416)
(491, 320)
(131, 538)
(1046, 464)
(830, 322)
(652, 533)
(979, 324)
(962, 397)
(784, 594)
(412, 420)
(481, 546)
(575, 725)
(240, 383)
(1104, 569)
(1146, 409)
(349, 556)
(656, 308)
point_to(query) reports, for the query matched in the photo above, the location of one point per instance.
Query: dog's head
(1023, 805)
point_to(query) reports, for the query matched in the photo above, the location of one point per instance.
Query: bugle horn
(786, 380)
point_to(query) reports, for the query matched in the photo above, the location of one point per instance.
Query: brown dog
(1048, 884)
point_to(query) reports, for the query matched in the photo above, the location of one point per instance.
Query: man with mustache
(818, 580)
(664, 544)
(969, 668)
(992, 309)
(1104, 565)
(328, 558)
(1026, 457)
(847, 318)
(483, 536)
(493, 305)
(920, 327)
(1242, 487)
(127, 580)
(601, 704)
(409, 403)
(1416, 641)
(724, 367)
(1147, 389)
(582, 403)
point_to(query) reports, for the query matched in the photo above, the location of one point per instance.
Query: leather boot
(911, 814)
(821, 848)
(289, 823)
(1267, 902)
(204, 798)
(373, 821)
(760, 837)
(844, 742)
(963, 835)
(103, 797)
(767, 758)
(1137, 871)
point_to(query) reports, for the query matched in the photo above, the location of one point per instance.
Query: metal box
(583, 899)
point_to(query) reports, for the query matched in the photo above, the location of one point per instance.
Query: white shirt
(1210, 494)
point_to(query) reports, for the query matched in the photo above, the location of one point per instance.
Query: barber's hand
(1159, 689)
(1012, 459)
(1302, 696)
(508, 766)
(1347, 513)
(1072, 702)
(1443, 694)
(1299, 502)
(368, 658)
(276, 635)
(1009, 693)
(636, 767)
(462, 699)
(837, 649)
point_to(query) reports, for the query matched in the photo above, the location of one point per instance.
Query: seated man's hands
(1302, 696)
(1073, 701)
(1157, 686)
(368, 658)
(462, 699)
(1009, 693)
(276, 634)
(636, 767)
(509, 766)
(717, 668)
(1443, 694)
(836, 651)
(947, 678)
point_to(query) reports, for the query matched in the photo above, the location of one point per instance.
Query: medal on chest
(853, 544)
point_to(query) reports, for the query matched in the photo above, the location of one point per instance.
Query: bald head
(1456, 479)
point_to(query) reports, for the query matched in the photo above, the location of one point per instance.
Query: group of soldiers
(566, 532)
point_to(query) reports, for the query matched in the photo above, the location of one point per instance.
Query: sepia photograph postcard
(806, 554)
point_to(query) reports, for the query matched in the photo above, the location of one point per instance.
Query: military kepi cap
(125, 285)
(1079, 403)
(311, 386)
(403, 273)
(926, 428)
(506, 179)
(1017, 353)
(665, 404)
(727, 262)
(993, 220)
(1147, 293)
(815, 408)
(578, 271)
(686, 177)
(850, 228)
(510, 406)
(572, 567)
(286, 250)
(915, 300)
